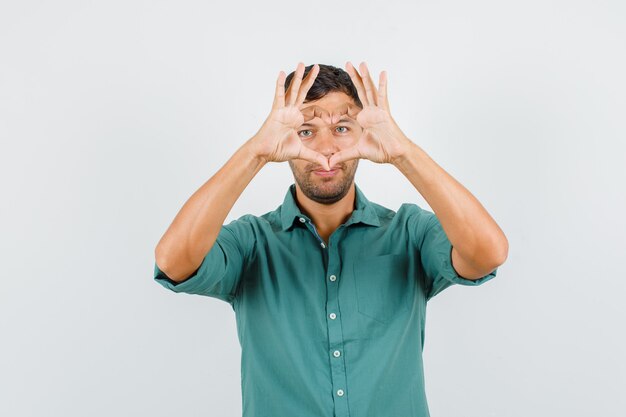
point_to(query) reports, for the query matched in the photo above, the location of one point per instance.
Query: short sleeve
(221, 270)
(435, 251)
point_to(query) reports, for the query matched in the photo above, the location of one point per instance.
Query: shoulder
(406, 213)
(415, 214)
(251, 223)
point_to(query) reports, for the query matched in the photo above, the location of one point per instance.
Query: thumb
(344, 155)
(313, 156)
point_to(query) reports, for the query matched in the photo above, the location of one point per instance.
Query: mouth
(334, 168)
(323, 173)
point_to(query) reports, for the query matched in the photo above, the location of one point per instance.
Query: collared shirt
(329, 330)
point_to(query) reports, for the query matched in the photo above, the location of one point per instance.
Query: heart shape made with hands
(381, 139)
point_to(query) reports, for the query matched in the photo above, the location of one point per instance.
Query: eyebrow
(344, 119)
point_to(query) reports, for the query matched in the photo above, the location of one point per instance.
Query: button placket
(335, 331)
(312, 227)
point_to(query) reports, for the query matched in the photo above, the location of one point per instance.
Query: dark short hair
(329, 79)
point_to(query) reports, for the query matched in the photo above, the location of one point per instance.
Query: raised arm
(193, 231)
(479, 245)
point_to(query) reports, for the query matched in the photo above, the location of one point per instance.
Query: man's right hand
(277, 140)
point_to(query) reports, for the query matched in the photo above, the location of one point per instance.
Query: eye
(343, 127)
(306, 136)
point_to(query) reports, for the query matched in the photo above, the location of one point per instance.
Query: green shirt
(331, 330)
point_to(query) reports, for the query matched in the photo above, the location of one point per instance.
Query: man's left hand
(381, 140)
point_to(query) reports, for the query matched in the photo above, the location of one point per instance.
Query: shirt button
(336, 354)
(340, 392)
(332, 278)
(323, 245)
(302, 220)
(332, 316)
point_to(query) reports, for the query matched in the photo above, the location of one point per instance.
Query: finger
(316, 111)
(294, 87)
(352, 110)
(279, 95)
(348, 110)
(310, 79)
(382, 91)
(358, 83)
(344, 155)
(370, 89)
(310, 155)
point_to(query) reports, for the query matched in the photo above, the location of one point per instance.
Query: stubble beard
(325, 190)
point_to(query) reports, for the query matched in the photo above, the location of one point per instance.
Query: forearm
(472, 231)
(195, 228)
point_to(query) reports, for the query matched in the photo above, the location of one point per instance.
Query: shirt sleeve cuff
(448, 271)
(192, 283)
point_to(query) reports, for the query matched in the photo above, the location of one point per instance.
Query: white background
(113, 113)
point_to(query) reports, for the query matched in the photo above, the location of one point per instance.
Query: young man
(330, 289)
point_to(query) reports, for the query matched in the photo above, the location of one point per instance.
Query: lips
(324, 173)
(335, 168)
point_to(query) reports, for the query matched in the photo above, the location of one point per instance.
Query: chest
(366, 277)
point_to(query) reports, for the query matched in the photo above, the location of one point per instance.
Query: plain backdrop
(113, 113)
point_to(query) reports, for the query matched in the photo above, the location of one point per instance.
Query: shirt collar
(363, 213)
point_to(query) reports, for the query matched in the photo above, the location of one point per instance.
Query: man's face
(327, 137)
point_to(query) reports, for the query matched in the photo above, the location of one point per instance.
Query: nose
(325, 143)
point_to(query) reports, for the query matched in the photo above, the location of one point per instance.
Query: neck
(327, 217)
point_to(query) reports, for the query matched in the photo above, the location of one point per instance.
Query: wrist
(252, 151)
(410, 149)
